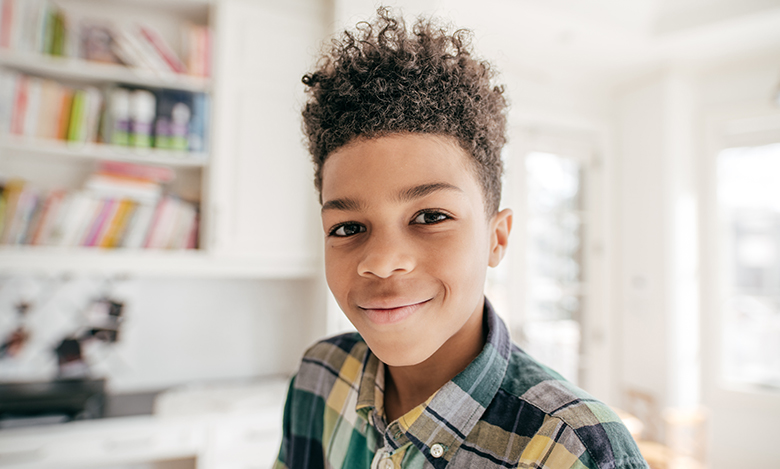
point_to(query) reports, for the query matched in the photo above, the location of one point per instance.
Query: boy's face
(408, 242)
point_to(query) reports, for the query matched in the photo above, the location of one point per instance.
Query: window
(541, 288)
(749, 224)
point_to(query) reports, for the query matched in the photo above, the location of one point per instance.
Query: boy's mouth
(390, 312)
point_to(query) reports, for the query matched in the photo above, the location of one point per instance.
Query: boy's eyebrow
(406, 195)
(342, 204)
(422, 190)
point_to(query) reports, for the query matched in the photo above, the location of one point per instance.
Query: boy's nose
(386, 255)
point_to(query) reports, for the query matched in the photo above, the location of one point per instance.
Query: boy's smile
(408, 244)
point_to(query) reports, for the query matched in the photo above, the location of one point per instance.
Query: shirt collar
(450, 415)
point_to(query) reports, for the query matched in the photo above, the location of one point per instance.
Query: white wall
(176, 330)
(662, 155)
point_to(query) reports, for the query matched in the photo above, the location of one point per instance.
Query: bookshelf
(100, 151)
(85, 71)
(252, 176)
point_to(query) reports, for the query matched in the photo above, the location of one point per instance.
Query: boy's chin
(395, 356)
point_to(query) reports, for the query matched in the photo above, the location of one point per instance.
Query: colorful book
(11, 194)
(163, 224)
(51, 207)
(139, 225)
(76, 130)
(33, 106)
(162, 48)
(108, 185)
(8, 86)
(64, 113)
(100, 222)
(116, 226)
(20, 105)
(144, 172)
(85, 220)
(49, 109)
(6, 23)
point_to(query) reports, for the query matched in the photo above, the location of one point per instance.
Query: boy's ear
(500, 227)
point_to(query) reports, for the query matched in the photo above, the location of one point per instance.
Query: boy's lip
(391, 311)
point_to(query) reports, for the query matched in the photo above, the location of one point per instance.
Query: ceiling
(603, 41)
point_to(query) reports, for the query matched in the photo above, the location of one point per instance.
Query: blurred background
(161, 270)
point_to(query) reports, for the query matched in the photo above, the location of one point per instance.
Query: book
(81, 218)
(49, 211)
(31, 218)
(162, 48)
(197, 40)
(97, 42)
(11, 194)
(8, 87)
(138, 226)
(84, 114)
(7, 10)
(198, 140)
(105, 185)
(185, 219)
(49, 109)
(103, 215)
(162, 223)
(134, 50)
(33, 106)
(92, 117)
(116, 226)
(160, 174)
(26, 203)
(20, 105)
(63, 113)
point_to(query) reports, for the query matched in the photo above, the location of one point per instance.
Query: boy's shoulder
(335, 350)
(559, 406)
(336, 358)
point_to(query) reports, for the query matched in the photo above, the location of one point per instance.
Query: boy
(406, 131)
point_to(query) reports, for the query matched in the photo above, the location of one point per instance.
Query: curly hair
(383, 79)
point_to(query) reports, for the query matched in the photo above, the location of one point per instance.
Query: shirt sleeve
(284, 450)
(558, 445)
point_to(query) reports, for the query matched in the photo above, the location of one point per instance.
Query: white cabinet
(258, 208)
(105, 443)
(232, 426)
(263, 197)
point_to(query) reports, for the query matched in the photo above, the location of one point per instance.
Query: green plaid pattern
(505, 410)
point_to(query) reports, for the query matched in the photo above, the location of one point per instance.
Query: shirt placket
(395, 445)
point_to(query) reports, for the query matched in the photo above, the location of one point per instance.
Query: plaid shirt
(504, 410)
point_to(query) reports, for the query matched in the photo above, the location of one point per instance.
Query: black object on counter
(74, 399)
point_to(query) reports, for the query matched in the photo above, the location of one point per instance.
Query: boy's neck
(406, 387)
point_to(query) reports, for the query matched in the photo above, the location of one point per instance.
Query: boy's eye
(429, 218)
(348, 229)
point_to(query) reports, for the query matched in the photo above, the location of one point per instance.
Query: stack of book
(42, 108)
(42, 27)
(122, 205)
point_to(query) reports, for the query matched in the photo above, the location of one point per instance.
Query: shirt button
(437, 450)
(387, 464)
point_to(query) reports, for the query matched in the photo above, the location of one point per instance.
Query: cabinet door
(262, 200)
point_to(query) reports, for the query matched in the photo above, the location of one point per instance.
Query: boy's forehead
(402, 157)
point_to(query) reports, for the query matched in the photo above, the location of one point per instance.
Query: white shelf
(99, 151)
(46, 260)
(94, 72)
